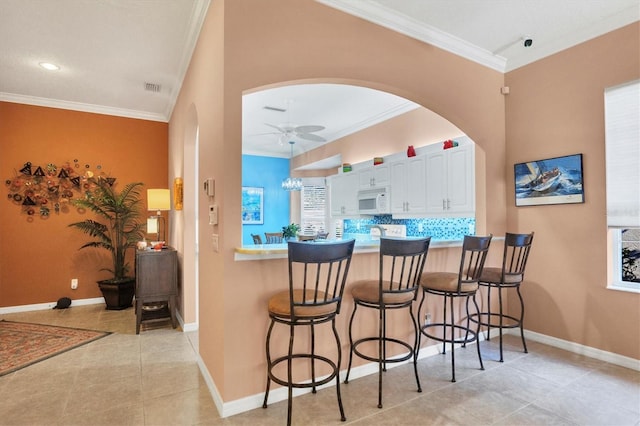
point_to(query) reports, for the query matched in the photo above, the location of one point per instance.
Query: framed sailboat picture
(551, 181)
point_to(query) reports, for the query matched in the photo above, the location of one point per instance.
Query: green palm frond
(120, 212)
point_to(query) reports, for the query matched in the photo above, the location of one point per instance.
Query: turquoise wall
(267, 173)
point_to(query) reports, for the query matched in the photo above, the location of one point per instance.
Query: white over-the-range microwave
(374, 201)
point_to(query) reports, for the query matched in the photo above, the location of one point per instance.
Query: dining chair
(400, 265)
(317, 277)
(451, 286)
(273, 237)
(509, 276)
(256, 239)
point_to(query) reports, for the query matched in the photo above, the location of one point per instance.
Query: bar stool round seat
(317, 277)
(509, 276)
(401, 262)
(456, 286)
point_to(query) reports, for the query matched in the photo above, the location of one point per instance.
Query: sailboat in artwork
(543, 180)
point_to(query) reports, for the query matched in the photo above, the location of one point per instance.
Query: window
(630, 249)
(313, 211)
(622, 131)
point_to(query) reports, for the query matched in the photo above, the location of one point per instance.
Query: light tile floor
(153, 379)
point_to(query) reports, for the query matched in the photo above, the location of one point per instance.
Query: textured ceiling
(109, 49)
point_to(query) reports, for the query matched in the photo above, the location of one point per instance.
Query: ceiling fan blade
(280, 129)
(311, 137)
(308, 129)
(264, 134)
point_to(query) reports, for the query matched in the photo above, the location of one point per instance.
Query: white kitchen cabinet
(344, 194)
(374, 176)
(450, 182)
(408, 196)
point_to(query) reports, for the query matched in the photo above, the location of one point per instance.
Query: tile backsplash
(437, 228)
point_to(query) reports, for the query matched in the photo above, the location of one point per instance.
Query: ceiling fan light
(291, 183)
(49, 66)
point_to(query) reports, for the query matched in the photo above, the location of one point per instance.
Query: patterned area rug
(23, 344)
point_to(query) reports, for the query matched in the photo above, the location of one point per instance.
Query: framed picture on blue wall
(252, 205)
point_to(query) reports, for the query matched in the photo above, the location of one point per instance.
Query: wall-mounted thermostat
(210, 187)
(213, 214)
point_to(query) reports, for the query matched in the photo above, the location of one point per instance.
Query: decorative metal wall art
(42, 190)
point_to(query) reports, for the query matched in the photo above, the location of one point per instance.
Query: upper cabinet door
(398, 187)
(374, 176)
(416, 188)
(436, 183)
(344, 194)
(408, 196)
(460, 181)
(450, 182)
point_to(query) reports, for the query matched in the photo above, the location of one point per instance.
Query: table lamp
(158, 200)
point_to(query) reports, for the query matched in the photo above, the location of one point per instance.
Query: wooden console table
(156, 285)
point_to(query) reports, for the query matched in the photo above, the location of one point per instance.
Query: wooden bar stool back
(317, 277)
(273, 237)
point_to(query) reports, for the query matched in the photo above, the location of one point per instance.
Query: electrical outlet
(427, 318)
(74, 283)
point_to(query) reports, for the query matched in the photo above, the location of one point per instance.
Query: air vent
(270, 108)
(152, 87)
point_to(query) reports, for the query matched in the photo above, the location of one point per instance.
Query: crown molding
(410, 27)
(198, 14)
(78, 106)
(373, 120)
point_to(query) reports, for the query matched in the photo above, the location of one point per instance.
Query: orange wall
(39, 258)
(555, 108)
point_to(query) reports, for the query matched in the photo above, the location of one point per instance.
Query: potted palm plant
(289, 232)
(118, 234)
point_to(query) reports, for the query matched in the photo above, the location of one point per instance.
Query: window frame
(315, 183)
(621, 109)
(615, 281)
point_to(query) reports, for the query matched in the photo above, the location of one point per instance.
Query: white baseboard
(226, 409)
(186, 327)
(49, 305)
(577, 348)
(252, 402)
(248, 403)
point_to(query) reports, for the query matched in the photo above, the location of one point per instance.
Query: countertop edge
(260, 252)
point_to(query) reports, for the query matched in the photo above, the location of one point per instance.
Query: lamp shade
(158, 199)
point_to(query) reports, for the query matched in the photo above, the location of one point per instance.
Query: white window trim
(622, 135)
(615, 267)
(316, 182)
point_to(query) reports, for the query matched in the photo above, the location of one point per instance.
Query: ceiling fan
(302, 132)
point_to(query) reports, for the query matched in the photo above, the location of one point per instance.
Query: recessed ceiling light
(49, 66)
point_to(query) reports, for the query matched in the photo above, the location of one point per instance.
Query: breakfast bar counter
(279, 251)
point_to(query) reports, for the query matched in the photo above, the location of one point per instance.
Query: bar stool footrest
(514, 322)
(471, 337)
(386, 340)
(310, 384)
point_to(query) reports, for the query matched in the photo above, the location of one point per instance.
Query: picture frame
(557, 180)
(252, 205)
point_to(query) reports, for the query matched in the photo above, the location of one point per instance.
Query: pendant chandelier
(292, 183)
